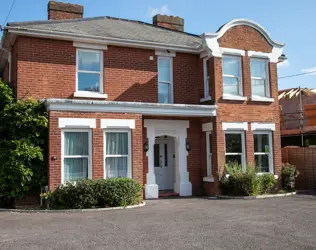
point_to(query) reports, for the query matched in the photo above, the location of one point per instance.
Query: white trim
(272, 57)
(262, 126)
(76, 123)
(205, 99)
(90, 150)
(98, 72)
(270, 153)
(88, 94)
(165, 53)
(234, 126)
(235, 52)
(170, 59)
(129, 156)
(234, 97)
(131, 107)
(90, 46)
(263, 55)
(266, 79)
(208, 179)
(209, 166)
(239, 77)
(256, 98)
(243, 146)
(118, 123)
(207, 126)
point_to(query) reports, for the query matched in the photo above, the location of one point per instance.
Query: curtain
(76, 143)
(75, 169)
(116, 166)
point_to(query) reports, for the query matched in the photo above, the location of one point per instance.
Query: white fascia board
(90, 46)
(118, 123)
(236, 52)
(262, 126)
(207, 126)
(234, 126)
(165, 53)
(76, 123)
(131, 107)
(273, 56)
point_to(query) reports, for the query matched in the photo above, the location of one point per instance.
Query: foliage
(110, 192)
(289, 173)
(245, 182)
(23, 144)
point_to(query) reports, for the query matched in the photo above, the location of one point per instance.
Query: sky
(287, 21)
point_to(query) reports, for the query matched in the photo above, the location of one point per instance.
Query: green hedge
(112, 192)
(245, 183)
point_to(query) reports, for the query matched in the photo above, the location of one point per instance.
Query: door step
(167, 193)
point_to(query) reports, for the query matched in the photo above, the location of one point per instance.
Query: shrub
(289, 174)
(267, 181)
(96, 193)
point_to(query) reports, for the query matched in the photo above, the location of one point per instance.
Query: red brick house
(148, 101)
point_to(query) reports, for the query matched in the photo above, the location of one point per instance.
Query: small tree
(23, 144)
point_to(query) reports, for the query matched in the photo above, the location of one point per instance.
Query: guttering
(99, 39)
(155, 109)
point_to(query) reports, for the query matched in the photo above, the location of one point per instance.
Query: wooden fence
(305, 161)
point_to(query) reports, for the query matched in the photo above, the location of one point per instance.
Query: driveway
(192, 223)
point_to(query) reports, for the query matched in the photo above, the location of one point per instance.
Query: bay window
(117, 152)
(263, 151)
(76, 154)
(259, 77)
(232, 77)
(235, 148)
(165, 81)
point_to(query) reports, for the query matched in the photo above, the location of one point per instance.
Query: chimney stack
(171, 22)
(62, 11)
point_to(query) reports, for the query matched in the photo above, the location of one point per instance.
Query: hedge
(112, 192)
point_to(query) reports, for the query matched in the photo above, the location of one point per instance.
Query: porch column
(151, 188)
(182, 185)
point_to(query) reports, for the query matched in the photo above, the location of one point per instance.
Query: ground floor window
(117, 153)
(76, 154)
(235, 149)
(263, 151)
(209, 152)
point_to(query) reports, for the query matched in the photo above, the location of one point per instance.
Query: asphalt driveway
(193, 223)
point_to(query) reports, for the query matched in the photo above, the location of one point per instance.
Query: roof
(109, 27)
(294, 92)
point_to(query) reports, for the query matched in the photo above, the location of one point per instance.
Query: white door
(164, 162)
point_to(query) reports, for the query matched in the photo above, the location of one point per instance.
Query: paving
(184, 223)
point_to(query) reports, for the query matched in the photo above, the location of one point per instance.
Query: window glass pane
(166, 155)
(207, 68)
(163, 93)
(233, 143)
(258, 87)
(262, 163)
(156, 155)
(230, 85)
(230, 159)
(116, 167)
(231, 66)
(210, 143)
(89, 61)
(76, 143)
(75, 169)
(116, 143)
(164, 70)
(209, 167)
(89, 82)
(258, 68)
(261, 143)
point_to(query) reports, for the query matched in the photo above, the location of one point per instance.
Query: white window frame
(129, 156)
(243, 153)
(206, 77)
(76, 156)
(269, 133)
(266, 80)
(209, 154)
(171, 76)
(90, 72)
(240, 80)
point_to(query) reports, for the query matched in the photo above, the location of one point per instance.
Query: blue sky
(288, 21)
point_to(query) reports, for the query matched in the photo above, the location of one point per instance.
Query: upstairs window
(206, 69)
(165, 81)
(89, 70)
(232, 80)
(259, 77)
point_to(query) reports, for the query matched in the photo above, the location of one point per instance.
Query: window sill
(87, 94)
(261, 99)
(205, 99)
(234, 97)
(208, 179)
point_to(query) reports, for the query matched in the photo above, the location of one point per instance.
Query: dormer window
(259, 77)
(232, 80)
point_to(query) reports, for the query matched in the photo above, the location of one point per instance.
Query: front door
(164, 162)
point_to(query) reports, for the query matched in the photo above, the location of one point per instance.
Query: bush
(289, 174)
(111, 192)
(245, 183)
